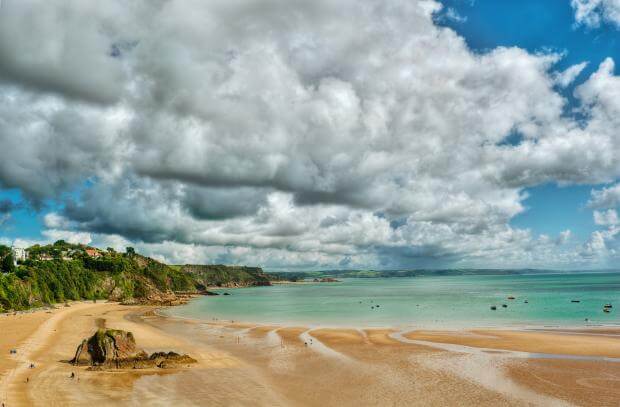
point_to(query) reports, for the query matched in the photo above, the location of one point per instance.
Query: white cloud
(606, 218)
(593, 12)
(68, 236)
(568, 76)
(608, 197)
(301, 134)
(564, 237)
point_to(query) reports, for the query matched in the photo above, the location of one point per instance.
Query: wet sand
(578, 343)
(248, 365)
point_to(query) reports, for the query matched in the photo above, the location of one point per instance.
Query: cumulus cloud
(568, 76)
(606, 218)
(592, 12)
(291, 134)
(608, 197)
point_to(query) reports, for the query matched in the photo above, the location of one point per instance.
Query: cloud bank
(292, 133)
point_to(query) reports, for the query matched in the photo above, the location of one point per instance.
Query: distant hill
(306, 275)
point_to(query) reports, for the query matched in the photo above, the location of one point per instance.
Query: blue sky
(540, 26)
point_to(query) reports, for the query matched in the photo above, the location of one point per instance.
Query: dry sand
(249, 365)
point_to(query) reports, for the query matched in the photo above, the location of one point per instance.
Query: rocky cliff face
(227, 276)
(116, 349)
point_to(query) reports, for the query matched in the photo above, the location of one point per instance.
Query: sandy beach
(247, 364)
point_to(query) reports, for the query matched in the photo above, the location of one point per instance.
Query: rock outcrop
(116, 349)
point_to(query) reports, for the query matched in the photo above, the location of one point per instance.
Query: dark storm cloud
(59, 48)
(218, 203)
(7, 206)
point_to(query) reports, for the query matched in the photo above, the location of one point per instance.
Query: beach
(253, 364)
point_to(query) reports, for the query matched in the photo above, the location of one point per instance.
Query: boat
(607, 306)
(575, 300)
(511, 298)
(493, 307)
(504, 306)
(606, 310)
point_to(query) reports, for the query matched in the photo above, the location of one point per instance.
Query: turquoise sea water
(433, 301)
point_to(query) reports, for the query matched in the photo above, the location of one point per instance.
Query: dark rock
(116, 349)
(106, 347)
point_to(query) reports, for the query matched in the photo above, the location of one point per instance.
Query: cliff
(77, 272)
(226, 276)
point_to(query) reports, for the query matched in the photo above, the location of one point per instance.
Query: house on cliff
(91, 252)
(19, 254)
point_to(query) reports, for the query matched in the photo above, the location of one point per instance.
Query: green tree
(8, 265)
(4, 250)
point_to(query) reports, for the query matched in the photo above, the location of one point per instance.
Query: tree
(4, 250)
(8, 264)
(130, 250)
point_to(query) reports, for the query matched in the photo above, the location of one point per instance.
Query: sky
(298, 135)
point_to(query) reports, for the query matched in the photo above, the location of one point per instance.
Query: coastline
(254, 364)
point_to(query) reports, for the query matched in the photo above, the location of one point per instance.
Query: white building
(19, 254)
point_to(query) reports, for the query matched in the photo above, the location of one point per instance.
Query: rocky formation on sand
(116, 349)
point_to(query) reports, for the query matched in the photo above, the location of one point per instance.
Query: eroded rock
(116, 349)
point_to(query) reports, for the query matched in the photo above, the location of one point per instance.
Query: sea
(461, 301)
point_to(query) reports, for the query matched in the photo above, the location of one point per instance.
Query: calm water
(450, 301)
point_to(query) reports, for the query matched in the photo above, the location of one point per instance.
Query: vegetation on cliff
(226, 276)
(77, 272)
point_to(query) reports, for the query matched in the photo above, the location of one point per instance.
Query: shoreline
(265, 364)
